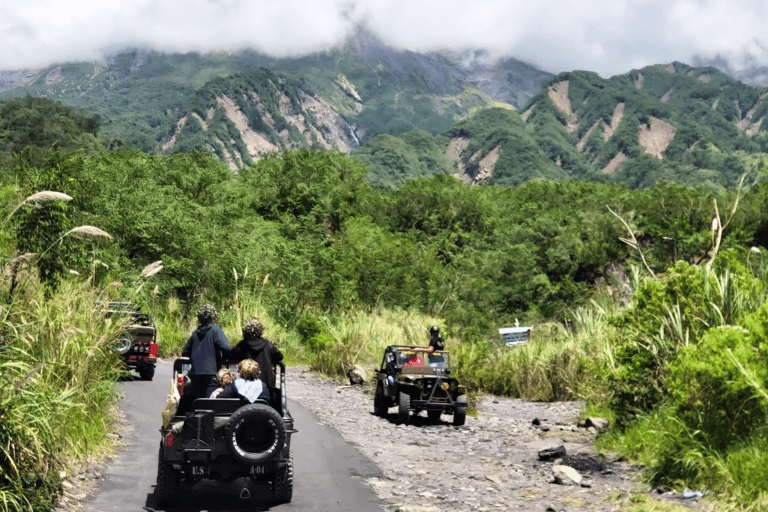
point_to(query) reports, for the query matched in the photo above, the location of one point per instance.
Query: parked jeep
(418, 379)
(222, 439)
(137, 343)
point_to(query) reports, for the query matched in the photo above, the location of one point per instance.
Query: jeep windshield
(419, 358)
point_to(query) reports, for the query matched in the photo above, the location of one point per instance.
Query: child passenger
(248, 385)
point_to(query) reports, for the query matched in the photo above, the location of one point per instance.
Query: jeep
(222, 439)
(137, 343)
(418, 379)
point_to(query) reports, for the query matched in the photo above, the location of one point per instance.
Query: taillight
(180, 385)
(169, 439)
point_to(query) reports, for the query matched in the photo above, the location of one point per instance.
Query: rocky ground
(493, 462)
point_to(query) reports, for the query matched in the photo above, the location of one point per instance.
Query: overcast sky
(606, 36)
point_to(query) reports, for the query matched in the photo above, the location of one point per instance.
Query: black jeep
(137, 343)
(222, 439)
(418, 379)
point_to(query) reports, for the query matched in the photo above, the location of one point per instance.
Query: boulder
(357, 375)
(600, 424)
(566, 475)
(552, 453)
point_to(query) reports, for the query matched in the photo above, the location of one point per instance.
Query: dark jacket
(263, 352)
(437, 343)
(207, 347)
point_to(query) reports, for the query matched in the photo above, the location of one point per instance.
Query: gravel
(490, 463)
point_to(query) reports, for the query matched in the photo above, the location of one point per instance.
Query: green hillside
(691, 125)
(140, 96)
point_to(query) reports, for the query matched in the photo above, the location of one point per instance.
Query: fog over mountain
(606, 36)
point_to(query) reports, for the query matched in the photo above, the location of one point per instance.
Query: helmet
(207, 315)
(434, 330)
(253, 329)
(249, 369)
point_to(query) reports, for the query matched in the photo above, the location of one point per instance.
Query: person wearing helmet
(248, 386)
(255, 346)
(207, 347)
(437, 344)
(435, 341)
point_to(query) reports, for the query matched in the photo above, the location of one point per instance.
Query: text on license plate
(199, 470)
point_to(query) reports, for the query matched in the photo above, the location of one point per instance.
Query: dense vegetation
(641, 304)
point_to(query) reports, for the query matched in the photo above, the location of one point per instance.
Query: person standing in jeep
(437, 343)
(254, 346)
(206, 348)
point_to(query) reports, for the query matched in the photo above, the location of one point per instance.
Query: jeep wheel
(147, 372)
(403, 409)
(434, 416)
(255, 433)
(167, 481)
(379, 402)
(282, 487)
(460, 413)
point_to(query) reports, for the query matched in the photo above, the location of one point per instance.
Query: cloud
(608, 37)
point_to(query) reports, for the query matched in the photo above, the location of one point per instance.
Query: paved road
(328, 473)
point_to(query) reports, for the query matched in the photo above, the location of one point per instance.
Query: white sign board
(514, 336)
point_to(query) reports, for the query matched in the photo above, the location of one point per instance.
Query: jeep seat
(219, 406)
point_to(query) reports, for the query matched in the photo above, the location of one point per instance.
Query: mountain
(664, 122)
(240, 105)
(407, 114)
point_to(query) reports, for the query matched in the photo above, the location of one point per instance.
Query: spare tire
(255, 433)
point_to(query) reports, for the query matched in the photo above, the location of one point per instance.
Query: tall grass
(58, 370)
(175, 323)
(360, 338)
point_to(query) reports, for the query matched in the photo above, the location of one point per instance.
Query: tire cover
(255, 433)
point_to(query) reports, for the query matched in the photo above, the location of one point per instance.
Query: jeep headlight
(123, 343)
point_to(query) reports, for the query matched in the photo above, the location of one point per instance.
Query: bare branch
(633, 241)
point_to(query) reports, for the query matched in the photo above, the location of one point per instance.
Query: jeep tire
(404, 409)
(167, 482)
(380, 401)
(255, 433)
(282, 486)
(460, 413)
(147, 372)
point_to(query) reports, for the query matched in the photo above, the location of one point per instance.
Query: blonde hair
(225, 376)
(249, 369)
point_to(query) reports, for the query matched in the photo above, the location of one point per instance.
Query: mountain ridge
(662, 122)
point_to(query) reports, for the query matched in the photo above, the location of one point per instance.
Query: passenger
(414, 360)
(254, 346)
(435, 341)
(206, 348)
(248, 386)
(225, 377)
(437, 344)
